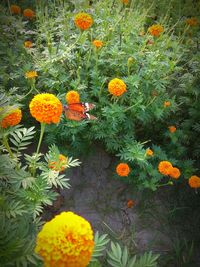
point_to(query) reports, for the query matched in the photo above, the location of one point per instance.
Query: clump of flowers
(149, 152)
(59, 165)
(194, 181)
(97, 43)
(117, 87)
(66, 240)
(83, 21)
(28, 44)
(31, 74)
(123, 169)
(46, 108)
(172, 129)
(72, 97)
(14, 9)
(164, 167)
(192, 21)
(130, 203)
(12, 119)
(155, 30)
(174, 173)
(167, 104)
(28, 13)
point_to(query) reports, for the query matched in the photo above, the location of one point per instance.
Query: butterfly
(78, 111)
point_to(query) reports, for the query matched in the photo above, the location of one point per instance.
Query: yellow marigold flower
(174, 173)
(28, 44)
(59, 165)
(83, 21)
(28, 13)
(164, 167)
(14, 9)
(192, 21)
(194, 181)
(66, 240)
(149, 152)
(125, 2)
(31, 74)
(167, 104)
(117, 87)
(97, 43)
(172, 129)
(155, 30)
(72, 97)
(12, 119)
(123, 169)
(130, 203)
(46, 108)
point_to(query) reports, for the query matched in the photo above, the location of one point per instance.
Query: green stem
(41, 136)
(6, 144)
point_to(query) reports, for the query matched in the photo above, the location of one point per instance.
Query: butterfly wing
(75, 115)
(81, 107)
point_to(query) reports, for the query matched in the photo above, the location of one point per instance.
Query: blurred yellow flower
(59, 165)
(172, 129)
(31, 74)
(28, 44)
(97, 43)
(72, 97)
(155, 30)
(192, 21)
(117, 87)
(14, 9)
(28, 13)
(149, 152)
(83, 21)
(167, 104)
(12, 119)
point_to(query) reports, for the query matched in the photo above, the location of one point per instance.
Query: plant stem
(7, 146)
(41, 136)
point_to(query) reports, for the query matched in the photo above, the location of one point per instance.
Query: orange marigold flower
(167, 104)
(123, 169)
(194, 181)
(72, 97)
(164, 167)
(130, 203)
(192, 21)
(125, 2)
(155, 30)
(149, 152)
(28, 44)
(97, 43)
(66, 240)
(83, 21)
(172, 129)
(14, 9)
(31, 74)
(46, 108)
(28, 13)
(12, 119)
(59, 165)
(117, 87)
(174, 173)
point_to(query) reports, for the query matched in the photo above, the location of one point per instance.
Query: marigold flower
(97, 43)
(72, 97)
(83, 21)
(28, 13)
(14, 9)
(46, 108)
(31, 74)
(194, 181)
(117, 87)
(192, 21)
(149, 152)
(130, 203)
(12, 119)
(172, 129)
(155, 30)
(125, 2)
(123, 169)
(59, 165)
(167, 104)
(28, 44)
(66, 240)
(164, 167)
(174, 173)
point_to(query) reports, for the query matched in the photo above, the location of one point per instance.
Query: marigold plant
(194, 181)
(172, 129)
(117, 87)
(28, 13)
(83, 21)
(46, 108)
(155, 30)
(72, 97)
(97, 43)
(66, 240)
(28, 44)
(174, 173)
(192, 21)
(165, 167)
(12, 119)
(31, 74)
(14, 9)
(123, 169)
(59, 165)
